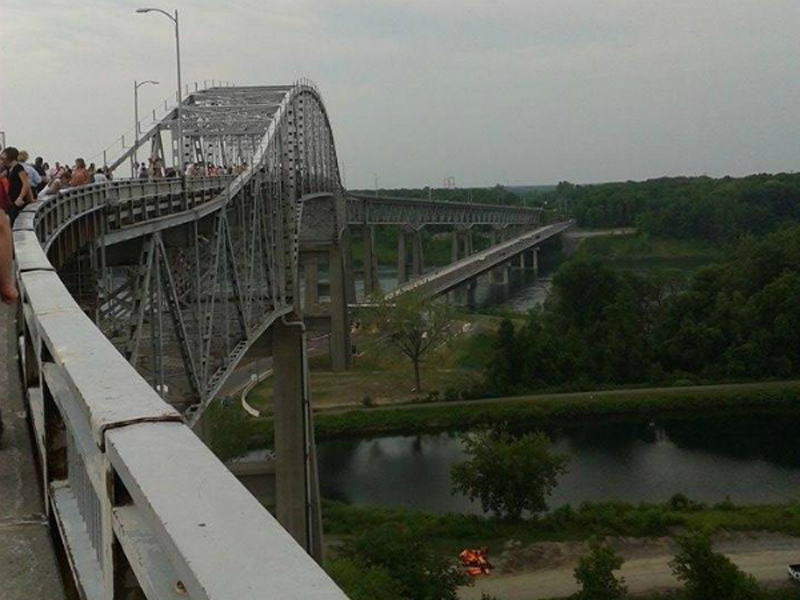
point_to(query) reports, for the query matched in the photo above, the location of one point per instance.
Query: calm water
(751, 459)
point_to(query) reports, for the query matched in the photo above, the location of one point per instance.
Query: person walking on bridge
(19, 187)
(8, 292)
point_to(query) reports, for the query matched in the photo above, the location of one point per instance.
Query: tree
(413, 325)
(595, 574)
(707, 575)
(503, 370)
(419, 572)
(361, 581)
(509, 475)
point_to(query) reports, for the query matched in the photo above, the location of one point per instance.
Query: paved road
(764, 556)
(28, 568)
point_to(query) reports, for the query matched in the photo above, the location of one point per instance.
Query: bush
(367, 402)
(595, 574)
(420, 573)
(707, 575)
(361, 581)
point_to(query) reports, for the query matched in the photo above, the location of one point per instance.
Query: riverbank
(527, 412)
(640, 252)
(546, 571)
(450, 532)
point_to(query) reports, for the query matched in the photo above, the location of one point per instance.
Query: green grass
(640, 252)
(451, 531)
(532, 411)
(523, 413)
(385, 376)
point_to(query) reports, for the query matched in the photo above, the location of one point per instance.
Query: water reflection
(749, 458)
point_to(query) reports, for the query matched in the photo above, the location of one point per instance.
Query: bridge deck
(457, 273)
(28, 567)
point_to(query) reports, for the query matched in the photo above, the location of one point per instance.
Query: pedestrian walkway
(28, 568)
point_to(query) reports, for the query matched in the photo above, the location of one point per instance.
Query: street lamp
(180, 93)
(136, 129)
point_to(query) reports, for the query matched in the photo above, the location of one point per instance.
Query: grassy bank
(234, 432)
(382, 375)
(639, 251)
(450, 532)
(532, 411)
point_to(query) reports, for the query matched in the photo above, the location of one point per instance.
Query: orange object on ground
(476, 560)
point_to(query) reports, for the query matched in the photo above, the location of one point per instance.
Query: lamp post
(174, 19)
(136, 129)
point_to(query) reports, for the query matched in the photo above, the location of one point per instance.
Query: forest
(715, 210)
(738, 319)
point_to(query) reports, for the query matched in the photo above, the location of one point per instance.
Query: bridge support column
(340, 320)
(472, 288)
(417, 260)
(296, 485)
(402, 256)
(371, 281)
(535, 261)
(462, 244)
(311, 281)
(349, 269)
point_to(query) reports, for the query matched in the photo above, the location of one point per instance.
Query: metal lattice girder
(384, 210)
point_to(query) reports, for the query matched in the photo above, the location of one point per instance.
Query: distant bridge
(140, 298)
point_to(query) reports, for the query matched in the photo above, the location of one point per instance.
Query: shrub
(707, 575)
(595, 574)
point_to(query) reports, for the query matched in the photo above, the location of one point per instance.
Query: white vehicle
(794, 572)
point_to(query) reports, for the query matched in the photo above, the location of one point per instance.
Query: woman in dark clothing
(19, 188)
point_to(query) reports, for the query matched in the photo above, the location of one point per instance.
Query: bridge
(139, 299)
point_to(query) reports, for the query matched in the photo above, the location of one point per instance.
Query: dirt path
(646, 569)
(589, 395)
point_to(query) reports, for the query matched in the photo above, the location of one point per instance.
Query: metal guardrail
(386, 210)
(140, 502)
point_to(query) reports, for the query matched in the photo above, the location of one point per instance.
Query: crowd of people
(154, 169)
(22, 183)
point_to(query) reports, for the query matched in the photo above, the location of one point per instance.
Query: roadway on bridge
(28, 567)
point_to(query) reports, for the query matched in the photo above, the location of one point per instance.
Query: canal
(752, 458)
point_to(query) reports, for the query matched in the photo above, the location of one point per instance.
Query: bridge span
(467, 269)
(140, 298)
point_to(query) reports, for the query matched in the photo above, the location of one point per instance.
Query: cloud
(510, 91)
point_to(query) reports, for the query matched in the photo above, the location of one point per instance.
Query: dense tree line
(716, 210)
(738, 319)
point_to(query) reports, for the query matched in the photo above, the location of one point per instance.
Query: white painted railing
(142, 506)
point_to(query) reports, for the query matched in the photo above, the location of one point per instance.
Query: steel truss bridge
(139, 299)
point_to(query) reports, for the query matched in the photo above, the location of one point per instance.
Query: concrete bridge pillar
(349, 270)
(402, 256)
(535, 261)
(296, 491)
(472, 288)
(310, 280)
(462, 244)
(340, 348)
(417, 260)
(371, 281)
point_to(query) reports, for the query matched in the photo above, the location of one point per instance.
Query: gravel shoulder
(542, 571)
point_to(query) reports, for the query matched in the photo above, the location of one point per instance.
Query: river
(747, 458)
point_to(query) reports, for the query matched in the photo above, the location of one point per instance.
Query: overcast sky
(510, 91)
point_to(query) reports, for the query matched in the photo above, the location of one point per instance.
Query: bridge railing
(139, 501)
(391, 210)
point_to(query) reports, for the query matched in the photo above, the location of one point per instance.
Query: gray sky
(511, 91)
